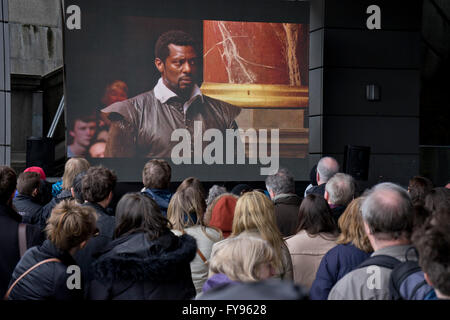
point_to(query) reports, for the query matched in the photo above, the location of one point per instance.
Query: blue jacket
(336, 263)
(162, 198)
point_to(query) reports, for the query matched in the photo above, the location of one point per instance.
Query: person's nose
(187, 68)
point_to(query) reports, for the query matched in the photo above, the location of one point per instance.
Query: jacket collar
(97, 207)
(50, 249)
(163, 94)
(134, 257)
(9, 212)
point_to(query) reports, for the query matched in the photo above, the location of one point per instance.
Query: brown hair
(418, 188)
(188, 200)
(315, 216)
(8, 180)
(98, 183)
(352, 227)
(28, 182)
(70, 224)
(156, 174)
(71, 169)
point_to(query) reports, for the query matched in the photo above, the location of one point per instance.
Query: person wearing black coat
(146, 261)
(27, 201)
(9, 228)
(69, 228)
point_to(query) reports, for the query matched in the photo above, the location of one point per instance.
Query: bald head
(388, 212)
(326, 168)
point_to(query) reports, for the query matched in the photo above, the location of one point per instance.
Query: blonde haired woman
(352, 249)
(185, 213)
(255, 215)
(42, 274)
(245, 258)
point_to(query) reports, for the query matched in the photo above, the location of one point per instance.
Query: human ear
(159, 65)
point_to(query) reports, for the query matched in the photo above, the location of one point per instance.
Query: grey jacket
(143, 125)
(369, 283)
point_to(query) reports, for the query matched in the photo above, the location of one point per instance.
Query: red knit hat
(223, 213)
(37, 170)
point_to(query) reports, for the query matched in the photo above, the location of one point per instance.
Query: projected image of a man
(143, 124)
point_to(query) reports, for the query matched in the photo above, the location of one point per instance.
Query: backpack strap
(380, 260)
(22, 235)
(27, 272)
(400, 274)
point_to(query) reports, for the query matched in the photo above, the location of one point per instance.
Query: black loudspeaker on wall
(41, 153)
(356, 161)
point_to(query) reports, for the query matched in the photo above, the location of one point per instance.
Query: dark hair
(28, 182)
(98, 183)
(315, 215)
(437, 198)
(136, 212)
(156, 174)
(432, 241)
(418, 188)
(78, 187)
(176, 37)
(8, 180)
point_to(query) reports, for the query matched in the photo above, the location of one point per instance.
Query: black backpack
(407, 281)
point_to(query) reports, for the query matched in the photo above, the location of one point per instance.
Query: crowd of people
(63, 241)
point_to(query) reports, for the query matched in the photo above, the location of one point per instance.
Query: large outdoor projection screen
(249, 61)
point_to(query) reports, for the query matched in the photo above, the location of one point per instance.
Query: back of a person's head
(8, 181)
(136, 212)
(242, 258)
(326, 168)
(388, 212)
(418, 188)
(187, 202)
(78, 187)
(70, 224)
(28, 182)
(281, 182)
(341, 189)
(437, 198)
(222, 213)
(241, 189)
(352, 227)
(214, 192)
(72, 167)
(98, 183)
(156, 174)
(315, 216)
(432, 241)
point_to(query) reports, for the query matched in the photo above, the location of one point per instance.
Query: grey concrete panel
(315, 134)
(8, 118)
(1, 11)
(371, 49)
(344, 92)
(316, 49)
(2, 155)
(42, 12)
(5, 6)
(7, 48)
(316, 14)
(2, 57)
(315, 92)
(3, 119)
(383, 134)
(395, 15)
(35, 49)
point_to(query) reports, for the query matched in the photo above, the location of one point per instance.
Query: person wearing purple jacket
(352, 249)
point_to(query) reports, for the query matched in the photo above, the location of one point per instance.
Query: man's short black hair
(176, 37)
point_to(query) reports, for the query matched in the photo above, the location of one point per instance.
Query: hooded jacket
(136, 268)
(286, 213)
(29, 208)
(161, 196)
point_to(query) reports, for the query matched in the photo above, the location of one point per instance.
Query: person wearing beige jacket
(317, 233)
